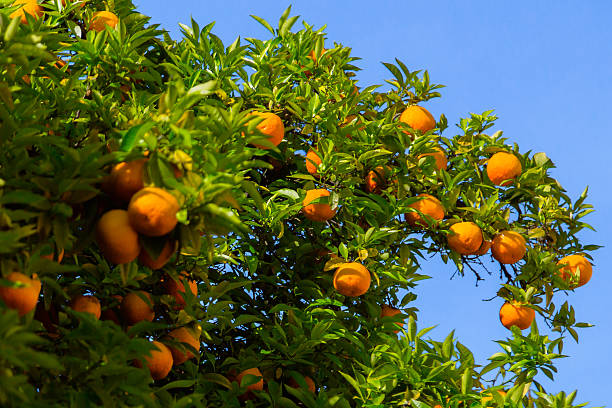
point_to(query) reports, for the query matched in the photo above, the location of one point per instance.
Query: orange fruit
(159, 362)
(135, 309)
(312, 162)
(152, 212)
(352, 279)
(503, 168)
(570, 270)
(272, 126)
(439, 156)
(116, 238)
(258, 386)
(376, 180)
(24, 297)
(508, 247)
(465, 238)
(418, 118)
(87, 304)
(183, 335)
(487, 395)
(169, 249)
(387, 310)
(309, 383)
(101, 19)
(30, 7)
(515, 314)
(126, 179)
(429, 206)
(176, 289)
(484, 248)
(320, 211)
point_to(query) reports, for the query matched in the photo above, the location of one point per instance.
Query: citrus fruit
(30, 7)
(515, 314)
(465, 238)
(183, 335)
(376, 180)
(418, 118)
(484, 248)
(576, 270)
(22, 298)
(439, 156)
(503, 168)
(125, 179)
(272, 126)
(86, 304)
(312, 162)
(352, 279)
(176, 289)
(152, 212)
(101, 19)
(258, 386)
(116, 238)
(487, 395)
(508, 247)
(429, 206)
(320, 211)
(309, 383)
(159, 362)
(135, 309)
(387, 310)
(163, 257)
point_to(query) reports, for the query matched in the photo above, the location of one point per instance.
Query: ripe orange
(309, 382)
(508, 247)
(439, 156)
(125, 179)
(352, 279)
(387, 310)
(320, 211)
(569, 272)
(152, 212)
(176, 289)
(418, 118)
(429, 206)
(30, 7)
(183, 335)
(312, 162)
(116, 238)
(465, 238)
(376, 180)
(159, 362)
(484, 248)
(169, 249)
(503, 168)
(23, 298)
(515, 314)
(258, 386)
(101, 19)
(272, 126)
(134, 309)
(87, 304)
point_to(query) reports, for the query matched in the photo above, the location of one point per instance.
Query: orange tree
(164, 241)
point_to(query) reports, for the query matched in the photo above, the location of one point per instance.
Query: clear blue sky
(543, 66)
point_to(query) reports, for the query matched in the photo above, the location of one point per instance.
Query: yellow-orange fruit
(352, 279)
(321, 211)
(429, 206)
(387, 310)
(309, 383)
(163, 258)
(272, 126)
(376, 180)
(24, 298)
(177, 289)
(30, 7)
(183, 335)
(418, 118)
(135, 309)
(508, 247)
(487, 395)
(465, 238)
(116, 237)
(569, 271)
(439, 156)
(152, 212)
(514, 314)
(258, 386)
(503, 168)
(101, 19)
(86, 304)
(126, 179)
(312, 162)
(159, 362)
(484, 248)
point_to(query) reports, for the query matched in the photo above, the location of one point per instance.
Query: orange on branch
(135, 309)
(508, 247)
(309, 383)
(116, 238)
(465, 238)
(177, 289)
(101, 19)
(503, 168)
(312, 162)
(159, 362)
(162, 259)
(86, 304)
(515, 314)
(258, 386)
(439, 156)
(126, 179)
(152, 212)
(183, 335)
(30, 7)
(418, 118)
(352, 279)
(272, 126)
(387, 310)
(320, 211)
(22, 298)
(376, 180)
(428, 205)
(576, 270)
(484, 248)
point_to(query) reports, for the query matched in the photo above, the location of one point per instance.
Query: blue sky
(545, 69)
